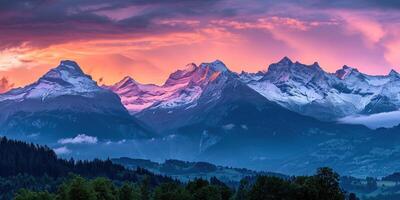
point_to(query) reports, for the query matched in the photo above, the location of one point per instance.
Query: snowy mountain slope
(387, 97)
(203, 86)
(226, 104)
(181, 89)
(135, 96)
(309, 90)
(66, 102)
(66, 79)
(306, 89)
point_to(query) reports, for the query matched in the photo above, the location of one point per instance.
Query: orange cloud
(5, 85)
(113, 59)
(243, 44)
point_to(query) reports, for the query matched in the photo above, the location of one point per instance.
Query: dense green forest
(323, 185)
(33, 172)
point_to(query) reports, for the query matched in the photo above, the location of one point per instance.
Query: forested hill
(185, 170)
(26, 165)
(18, 157)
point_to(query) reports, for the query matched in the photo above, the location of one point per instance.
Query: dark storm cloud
(395, 4)
(41, 23)
(326, 4)
(46, 22)
(355, 4)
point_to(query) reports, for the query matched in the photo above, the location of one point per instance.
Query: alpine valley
(290, 118)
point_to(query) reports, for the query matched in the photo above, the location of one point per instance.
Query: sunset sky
(149, 39)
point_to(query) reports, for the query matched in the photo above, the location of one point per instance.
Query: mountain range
(305, 89)
(290, 118)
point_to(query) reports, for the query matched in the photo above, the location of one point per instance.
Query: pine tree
(128, 192)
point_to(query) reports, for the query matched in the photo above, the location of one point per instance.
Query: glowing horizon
(148, 40)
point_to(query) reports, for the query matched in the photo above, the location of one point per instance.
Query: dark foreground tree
(323, 185)
(171, 191)
(128, 192)
(29, 195)
(243, 190)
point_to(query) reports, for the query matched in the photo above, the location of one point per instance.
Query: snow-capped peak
(285, 61)
(285, 69)
(394, 73)
(182, 75)
(216, 66)
(126, 81)
(70, 65)
(66, 79)
(345, 71)
(247, 77)
(66, 71)
(316, 65)
(190, 67)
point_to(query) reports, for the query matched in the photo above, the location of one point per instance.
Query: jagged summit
(315, 64)
(189, 67)
(126, 81)
(66, 71)
(285, 61)
(217, 66)
(69, 64)
(394, 73)
(345, 72)
(194, 73)
(181, 75)
(285, 69)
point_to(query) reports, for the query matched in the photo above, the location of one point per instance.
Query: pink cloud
(362, 23)
(392, 53)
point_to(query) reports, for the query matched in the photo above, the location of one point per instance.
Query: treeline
(324, 185)
(36, 167)
(395, 177)
(26, 158)
(18, 157)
